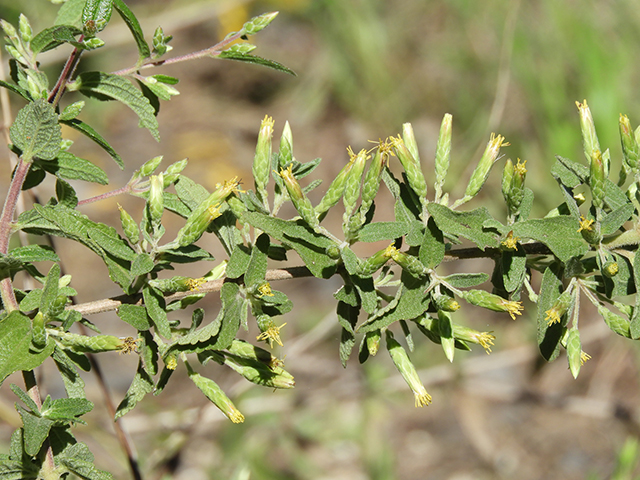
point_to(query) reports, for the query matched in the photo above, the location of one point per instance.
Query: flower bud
(481, 173)
(259, 373)
(335, 190)
(214, 393)
(298, 198)
(352, 184)
(177, 167)
(590, 230)
(270, 332)
(618, 324)
(589, 138)
(256, 24)
(372, 178)
(26, 33)
(445, 303)
(155, 202)
(443, 153)
(574, 351)
(407, 370)
(376, 261)
(262, 159)
(286, 145)
(409, 139)
(129, 226)
(176, 284)
(39, 334)
(412, 169)
(87, 344)
(630, 147)
(409, 263)
(610, 269)
(466, 334)
(150, 166)
(487, 300)
(373, 341)
(596, 179)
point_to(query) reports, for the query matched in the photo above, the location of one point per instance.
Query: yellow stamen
(265, 290)
(129, 345)
(513, 308)
(585, 224)
(272, 334)
(511, 242)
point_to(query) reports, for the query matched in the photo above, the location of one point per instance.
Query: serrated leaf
(96, 137)
(52, 37)
(309, 245)
(67, 408)
(15, 346)
(514, 265)
(559, 233)
(141, 385)
(238, 262)
(134, 315)
(465, 224)
(27, 400)
(83, 469)
(96, 15)
(246, 57)
(66, 165)
(36, 430)
(134, 26)
(70, 13)
(100, 84)
(36, 131)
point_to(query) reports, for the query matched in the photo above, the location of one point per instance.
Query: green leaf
(190, 193)
(67, 165)
(22, 395)
(257, 268)
(141, 385)
(50, 290)
(135, 315)
(36, 430)
(101, 85)
(36, 131)
(52, 37)
(155, 304)
(134, 26)
(65, 194)
(82, 468)
(374, 232)
(73, 383)
(112, 243)
(67, 408)
(309, 245)
(232, 303)
(16, 89)
(70, 13)
(95, 16)
(188, 254)
(445, 328)
(96, 137)
(432, 248)
(142, 264)
(15, 346)
(466, 280)
(347, 317)
(246, 57)
(634, 326)
(465, 224)
(411, 303)
(549, 336)
(616, 219)
(238, 262)
(559, 233)
(513, 265)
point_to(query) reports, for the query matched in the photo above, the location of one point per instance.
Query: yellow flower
(585, 224)
(194, 283)
(552, 317)
(129, 345)
(584, 356)
(513, 308)
(265, 290)
(272, 334)
(511, 242)
(520, 168)
(485, 339)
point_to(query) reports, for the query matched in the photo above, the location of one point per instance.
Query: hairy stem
(66, 74)
(207, 52)
(6, 218)
(113, 193)
(33, 391)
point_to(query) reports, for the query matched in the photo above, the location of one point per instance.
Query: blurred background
(365, 67)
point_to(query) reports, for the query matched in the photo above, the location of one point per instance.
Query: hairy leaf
(469, 225)
(246, 57)
(560, 234)
(134, 26)
(36, 131)
(96, 137)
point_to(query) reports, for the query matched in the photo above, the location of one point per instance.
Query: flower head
(485, 339)
(511, 242)
(265, 290)
(585, 224)
(272, 334)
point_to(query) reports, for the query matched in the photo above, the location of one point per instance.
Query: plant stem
(6, 218)
(207, 52)
(113, 193)
(65, 75)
